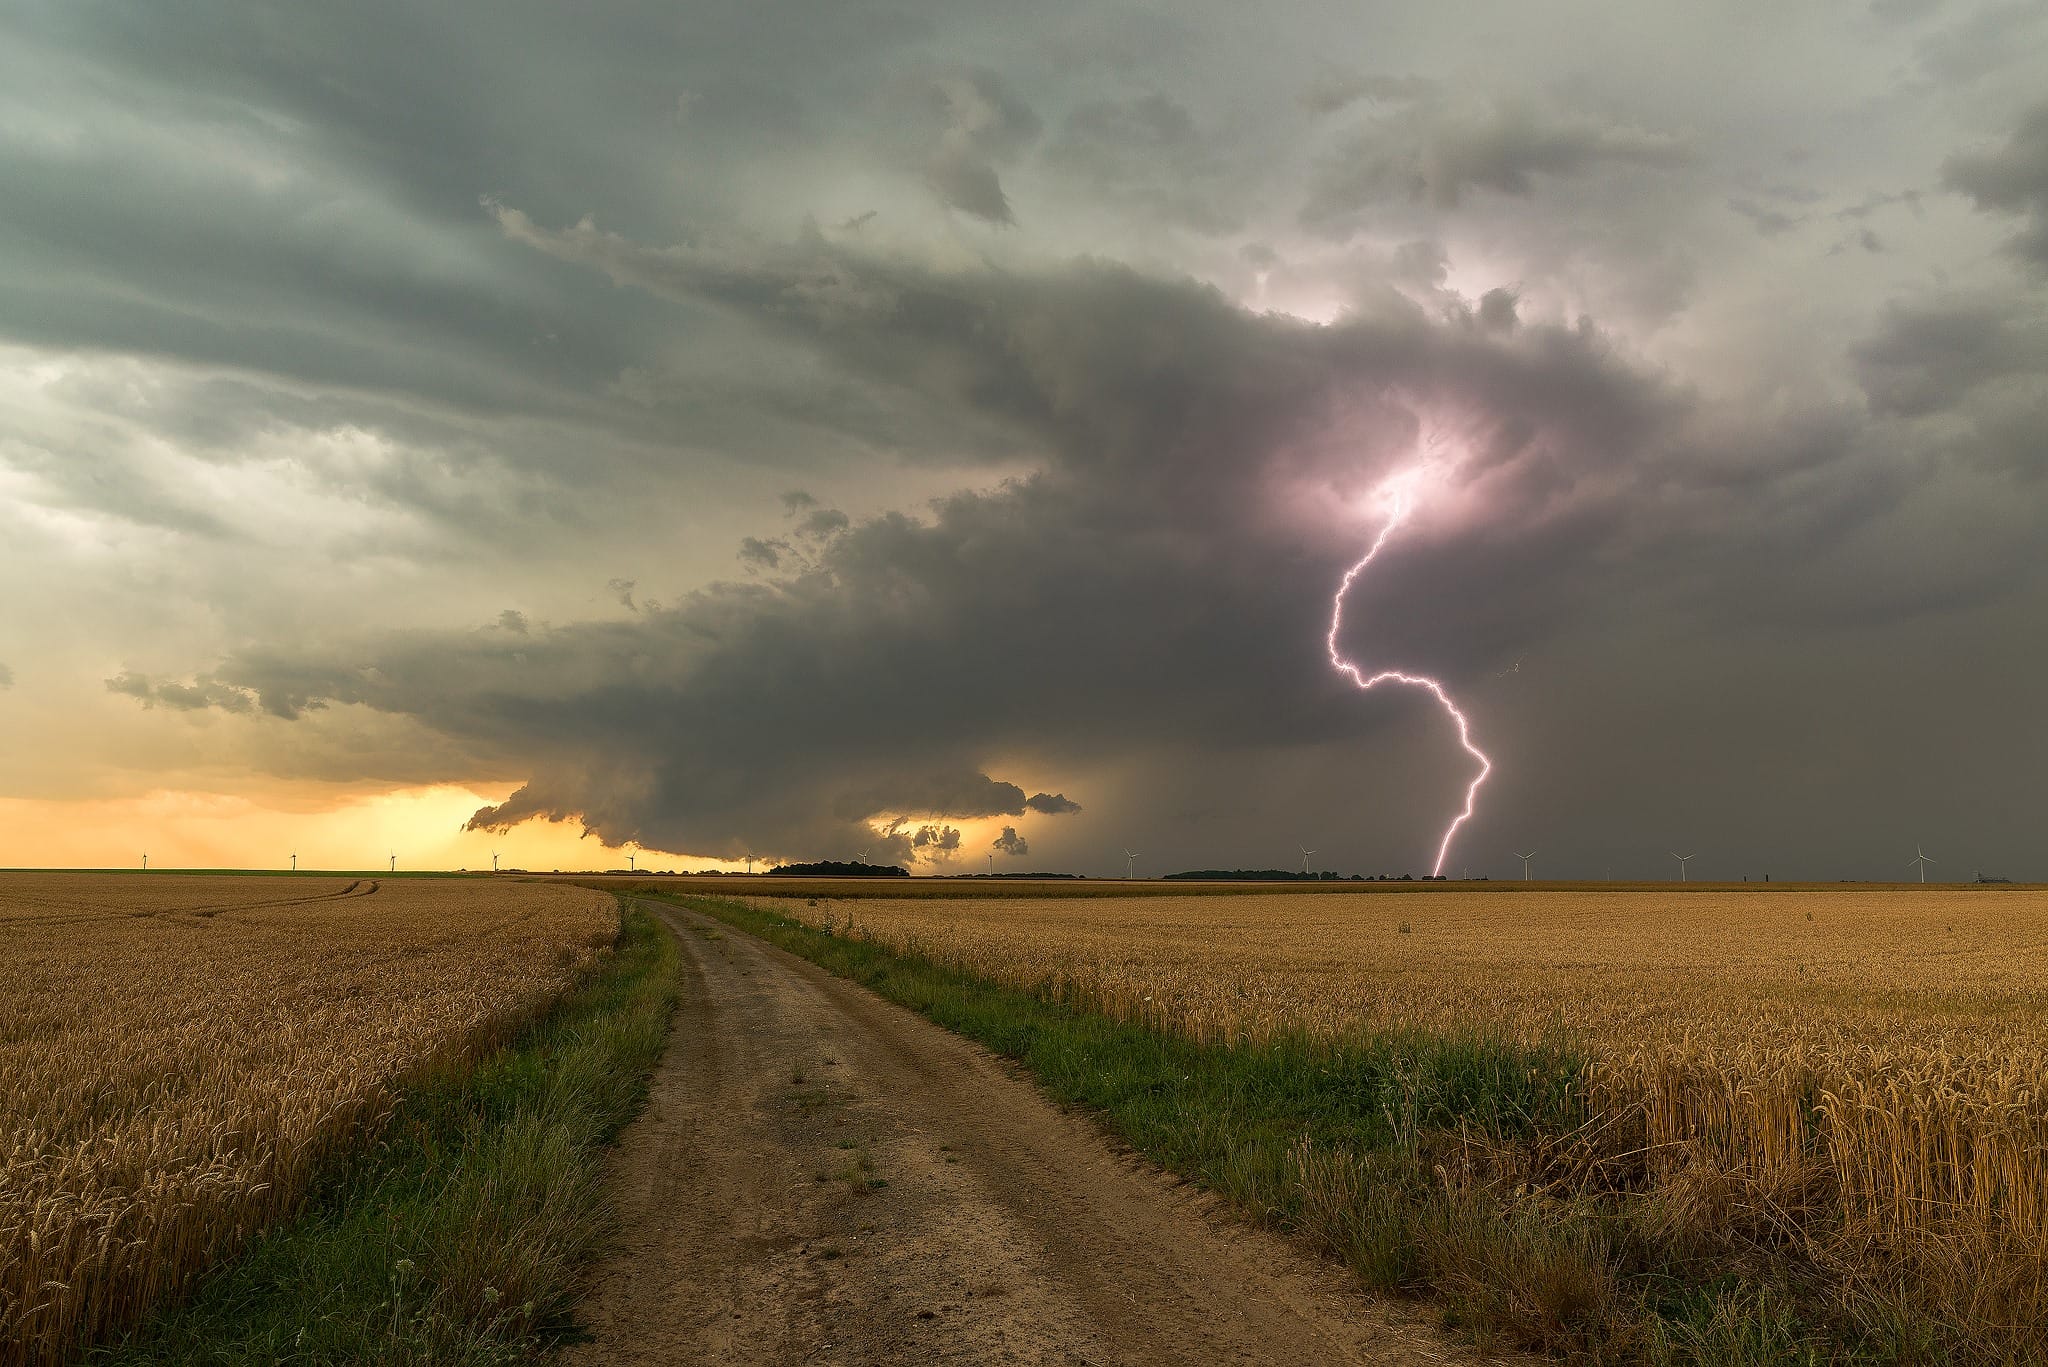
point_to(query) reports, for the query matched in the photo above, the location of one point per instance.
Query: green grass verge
(458, 1238)
(1385, 1152)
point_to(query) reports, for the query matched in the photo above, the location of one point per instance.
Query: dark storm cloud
(1436, 151)
(1150, 583)
(1052, 804)
(1011, 843)
(2012, 179)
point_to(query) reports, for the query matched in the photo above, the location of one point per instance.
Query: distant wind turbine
(860, 856)
(394, 861)
(145, 861)
(494, 861)
(295, 861)
(1525, 858)
(991, 862)
(1683, 860)
(750, 862)
(631, 867)
(1920, 858)
(1305, 853)
(1129, 857)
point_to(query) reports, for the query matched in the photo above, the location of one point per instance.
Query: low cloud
(1052, 804)
(1011, 843)
(935, 844)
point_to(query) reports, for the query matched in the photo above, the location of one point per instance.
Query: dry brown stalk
(1868, 1061)
(181, 1053)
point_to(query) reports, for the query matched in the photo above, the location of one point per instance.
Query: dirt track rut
(824, 1177)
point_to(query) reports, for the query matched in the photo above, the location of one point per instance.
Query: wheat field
(180, 1053)
(1856, 1072)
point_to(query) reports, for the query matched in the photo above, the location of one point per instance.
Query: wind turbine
(394, 861)
(991, 863)
(494, 861)
(1682, 861)
(1920, 858)
(145, 861)
(1305, 853)
(1129, 857)
(295, 861)
(1525, 858)
(750, 862)
(631, 867)
(860, 856)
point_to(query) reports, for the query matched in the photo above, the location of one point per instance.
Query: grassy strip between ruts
(1397, 1154)
(458, 1237)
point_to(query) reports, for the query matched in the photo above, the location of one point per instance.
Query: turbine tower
(1682, 859)
(750, 862)
(631, 867)
(394, 861)
(991, 863)
(1129, 857)
(145, 861)
(1305, 853)
(494, 861)
(295, 861)
(1920, 858)
(1525, 858)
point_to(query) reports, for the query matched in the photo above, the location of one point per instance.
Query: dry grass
(181, 1053)
(1850, 1076)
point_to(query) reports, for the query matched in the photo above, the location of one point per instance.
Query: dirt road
(824, 1177)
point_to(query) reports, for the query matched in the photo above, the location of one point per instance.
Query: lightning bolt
(1400, 502)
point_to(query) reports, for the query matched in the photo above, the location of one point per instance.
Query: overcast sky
(800, 430)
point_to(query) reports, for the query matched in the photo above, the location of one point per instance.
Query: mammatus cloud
(1011, 843)
(2013, 180)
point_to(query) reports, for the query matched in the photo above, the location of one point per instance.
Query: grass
(459, 1237)
(1431, 1163)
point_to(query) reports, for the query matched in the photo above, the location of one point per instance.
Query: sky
(935, 433)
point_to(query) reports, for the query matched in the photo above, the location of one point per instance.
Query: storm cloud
(884, 423)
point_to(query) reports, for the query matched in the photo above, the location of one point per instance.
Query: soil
(821, 1176)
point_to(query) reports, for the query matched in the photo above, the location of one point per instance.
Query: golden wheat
(1872, 1056)
(179, 1053)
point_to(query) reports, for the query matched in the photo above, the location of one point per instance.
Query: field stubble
(181, 1054)
(1849, 1077)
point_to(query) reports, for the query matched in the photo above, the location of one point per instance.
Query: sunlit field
(1853, 1075)
(181, 1053)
